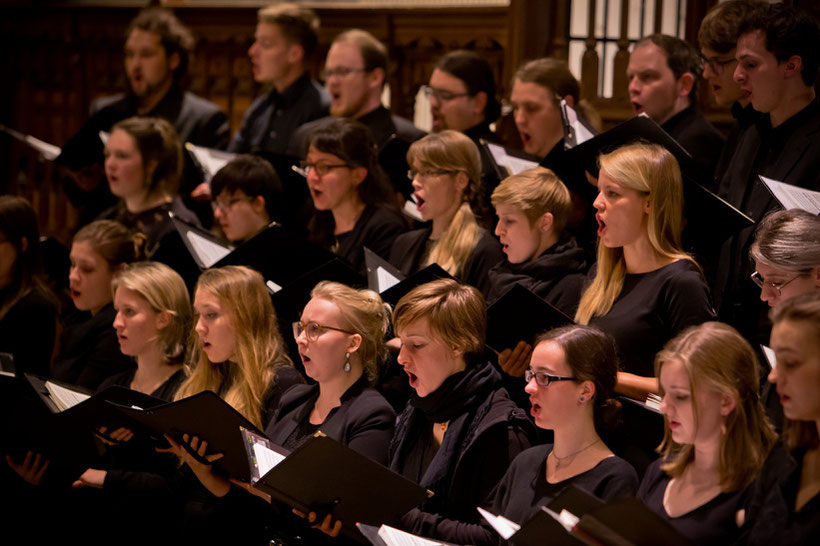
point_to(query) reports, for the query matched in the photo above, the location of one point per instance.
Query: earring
(581, 400)
(346, 367)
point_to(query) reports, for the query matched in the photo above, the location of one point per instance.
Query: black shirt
(272, 119)
(745, 117)
(166, 391)
(712, 523)
(28, 332)
(524, 488)
(697, 136)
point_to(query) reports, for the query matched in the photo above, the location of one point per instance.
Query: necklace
(566, 459)
(443, 426)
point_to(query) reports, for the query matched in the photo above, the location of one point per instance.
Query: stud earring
(347, 363)
(581, 399)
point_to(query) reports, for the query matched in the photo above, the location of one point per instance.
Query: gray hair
(789, 240)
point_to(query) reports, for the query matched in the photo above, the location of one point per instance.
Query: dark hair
(253, 176)
(719, 29)
(174, 36)
(374, 53)
(299, 25)
(788, 32)
(477, 75)
(18, 222)
(353, 143)
(554, 74)
(156, 141)
(681, 57)
(591, 355)
(113, 241)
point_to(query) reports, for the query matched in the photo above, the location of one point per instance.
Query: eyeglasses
(321, 168)
(441, 94)
(425, 174)
(340, 71)
(543, 379)
(716, 64)
(222, 206)
(777, 287)
(313, 330)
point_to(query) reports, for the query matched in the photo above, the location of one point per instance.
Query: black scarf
(459, 393)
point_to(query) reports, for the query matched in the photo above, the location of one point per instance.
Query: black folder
(501, 171)
(380, 270)
(430, 273)
(205, 415)
(325, 476)
(628, 522)
(709, 218)
(520, 315)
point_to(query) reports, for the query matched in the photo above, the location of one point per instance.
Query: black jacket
(698, 137)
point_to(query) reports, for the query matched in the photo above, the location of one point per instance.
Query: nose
(498, 231)
(664, 406)
(118, 322)
(200, 327)
(599, 201)
(707, 71)
(739, 75)
(519, 117)
(769, 295)
(531, 387)
(73, 276)
(634, 86)
(403, 358)
(416, 183)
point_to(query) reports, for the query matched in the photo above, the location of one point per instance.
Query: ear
(359, 174)
(355, 343)
(148, 170)
(570, 100)
(23, 245)
(793, 66)
(588, 390)
(647, 206)
(545, 223)
(173, 61)
(295, 54)
(258, 205)
(815, 275)
(727, 404)
(685, 84)
(462, 181)
(479, 101)
(163, 320)
(377, 77)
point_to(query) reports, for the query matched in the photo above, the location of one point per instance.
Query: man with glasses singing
(663, 74)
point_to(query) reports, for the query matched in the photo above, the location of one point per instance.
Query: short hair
(253, 176)
(362, 312)
(456, 314)
(165, 291)
(804, 309)
(18, 222)
(591, 355)
(788, 31)
(299, 25)
(535, 192)
(477, 75)
(156, 141)
(719, 29)
(113, 241)
(374, 53)
(716, 356)
(681, 57)
(788, 240)
(173, 35)
(553, 74)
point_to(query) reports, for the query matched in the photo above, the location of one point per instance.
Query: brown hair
(719, 29)
(158, 144)
(113, 241)
(535, 192)
(374, 53)
(174, 36)
(804, 309)
(299, 25)
(456, 314)
(681, 58)
(716, 356)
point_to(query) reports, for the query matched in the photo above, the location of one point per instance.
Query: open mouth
(601, 225)
(526, 138)
(414, 380)
(419, 201)
(206, 345)
(75, 294)
(535, 411)
(305, 358)
(637, 107)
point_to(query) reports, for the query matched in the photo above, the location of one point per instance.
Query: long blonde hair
(453, 151)
(716, 356)
(260, 349)
(650, 169)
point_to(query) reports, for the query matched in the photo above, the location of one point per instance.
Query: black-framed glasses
(222, 206)
(442, 94)
(717, 65)
(313, 330)
(322, 168)
(424, 174)
(340, 71)
(543, 379)
(758, 279)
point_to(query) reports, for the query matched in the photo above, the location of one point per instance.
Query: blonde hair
(260, 349)
(715, 356)
(456, 313)
(804, 309)
(453, 151)
(535, 192)
(165, 291)
(362, 312)
(652, 170)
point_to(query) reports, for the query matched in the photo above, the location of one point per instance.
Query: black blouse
(28, 332)
(166, 391)
(712, 523)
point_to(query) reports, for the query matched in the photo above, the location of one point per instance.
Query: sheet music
(771, 359)
(580, 132)
(567, 519)
(48, 151)
(412, 210)
(207, 251)
(792, 197)
(502, 525)
(513, 164)
(386, 280)
(63, 397)
(211, 160)
(273, 287)
(395, 537)
(104, 137)
(266, 458)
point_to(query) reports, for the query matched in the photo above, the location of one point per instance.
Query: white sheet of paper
(513, 164)
(793, 197)
(386, 280)
(502, 525)
(207, 251)
(395, 537)
(63, 397)
(273, 287)
(210, 159)
(568, 520)
(104, 137)
(266, 458)
(412, 210)
(48, 151)
(582, 134)
(770, 356)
